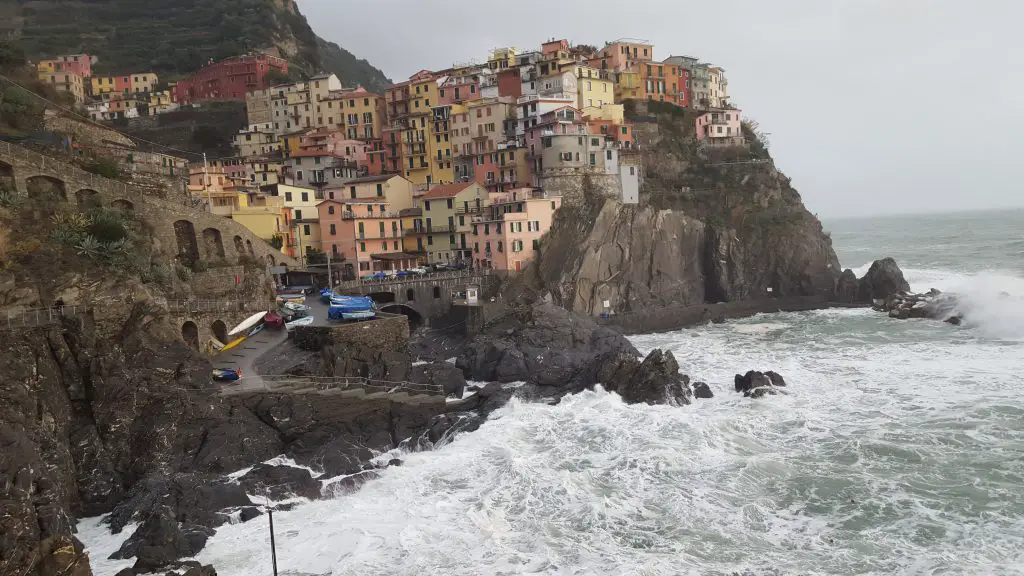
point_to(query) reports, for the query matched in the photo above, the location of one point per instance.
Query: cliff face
(177, 37)
(709, 228)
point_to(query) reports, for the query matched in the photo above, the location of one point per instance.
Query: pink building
(229, 79)
(560, 121)
(365, 233)
(623, 53)
(80, 64)
(507, 235)
(720, 128)
(335, 142)
(458, 90)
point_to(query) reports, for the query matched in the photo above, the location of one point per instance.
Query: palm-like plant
(90, 246)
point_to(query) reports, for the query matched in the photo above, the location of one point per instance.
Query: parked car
(419, 271)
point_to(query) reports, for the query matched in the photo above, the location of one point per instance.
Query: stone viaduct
(421, 298)
(190, 233)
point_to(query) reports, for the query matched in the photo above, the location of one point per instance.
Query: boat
(248, 323)
(296, 307)
(304, 321)
(233, 343)
(216, 344)
(226, 374)
(272, 320)
(352, 308)
(295, 298)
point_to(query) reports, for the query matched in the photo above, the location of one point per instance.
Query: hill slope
(176, 37)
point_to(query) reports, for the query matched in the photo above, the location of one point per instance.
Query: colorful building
(303, 224)
(362, 113)
(256, 140)
(229, 79)
(318, 169)
(80, 64)
(447, 213)
(720, 128)
(594, 87)
(506, 234)
(265, 216)
(397, 191)
(365, 234)
(623, 53)
(67, 82)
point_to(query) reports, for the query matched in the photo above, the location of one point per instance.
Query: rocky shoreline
(160, 448)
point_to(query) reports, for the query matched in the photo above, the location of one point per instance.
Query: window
(437, 292)
(352, 191)
(384, 246)
(287, 196)
(476, 247)
(430, 240)
(305, 196)
(298, 214)
(330, 210)
(333, 230)
(536, 225)
(380, 189)
(426, 206)
(608, 154)
(500, 248)
(450, 203)
(595, 142)
(362, 246)
(305, 229)
(536, 244)
(298, 175)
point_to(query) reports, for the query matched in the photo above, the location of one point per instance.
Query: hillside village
(460, 167)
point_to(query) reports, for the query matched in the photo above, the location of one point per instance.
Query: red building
(510, 83)
(229, 79)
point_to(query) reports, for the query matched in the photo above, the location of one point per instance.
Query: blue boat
(226, 374)
(351, 308)
(325, 295)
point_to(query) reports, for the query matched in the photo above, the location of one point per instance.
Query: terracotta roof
(446, 190)
(367, 179)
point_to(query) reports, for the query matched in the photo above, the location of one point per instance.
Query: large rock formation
(557, 352)
(704, 232)
(883, 279)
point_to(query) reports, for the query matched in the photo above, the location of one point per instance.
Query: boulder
(161, 540)
(847, 287)
(448, 376)
(882, 280)
(702, 390)
(757, 384)
(280, 482)
(656, 380)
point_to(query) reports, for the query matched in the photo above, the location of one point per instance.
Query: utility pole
(273, 545)
(330, 277)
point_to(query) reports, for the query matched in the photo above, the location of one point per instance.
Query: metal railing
(437, 276)
(35, 317)
(369, 385)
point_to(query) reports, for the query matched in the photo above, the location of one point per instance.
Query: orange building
(365, 234)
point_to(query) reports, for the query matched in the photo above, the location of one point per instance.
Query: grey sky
(874, 106)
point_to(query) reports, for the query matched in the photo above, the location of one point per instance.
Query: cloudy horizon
(872, 107)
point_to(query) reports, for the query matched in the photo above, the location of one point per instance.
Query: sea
(898, 448)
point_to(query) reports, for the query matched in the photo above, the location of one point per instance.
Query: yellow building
(628, 85)
(395, 190)
(593, 89)
(502, 58)
(290, 142)
(362, 113)
(265, 216)
(414, 239)
(304, 219)
(441, 207)
(614, 113)
(143, 82)
(68, 82)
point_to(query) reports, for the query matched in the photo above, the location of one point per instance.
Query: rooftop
(446, 190)
(371, 179)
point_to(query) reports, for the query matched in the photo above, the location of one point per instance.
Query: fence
(438, 276)
(327, 383)
(35, 317)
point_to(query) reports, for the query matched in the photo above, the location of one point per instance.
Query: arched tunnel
(414, 317)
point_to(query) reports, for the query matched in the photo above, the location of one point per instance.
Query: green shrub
(106, 167)
(107, 225)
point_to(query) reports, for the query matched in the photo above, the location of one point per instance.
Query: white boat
(296, 307)
(247, 323)
(305, 321)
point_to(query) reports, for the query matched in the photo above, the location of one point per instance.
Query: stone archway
(248, 247)
(190, 334)
(383, 297)
(220, 331)
(239, 245)
(213, 246)
(414, 317)
(185, 235)
(46, 188)
(88, 199)
(125, 207)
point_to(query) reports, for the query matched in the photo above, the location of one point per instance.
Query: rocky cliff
(711, 226)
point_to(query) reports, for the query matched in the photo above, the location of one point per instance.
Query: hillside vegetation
(176, 37)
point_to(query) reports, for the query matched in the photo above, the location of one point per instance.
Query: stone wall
(236, 242)
(387, 332)
(569, 185)
(429, 297)
(86, 132)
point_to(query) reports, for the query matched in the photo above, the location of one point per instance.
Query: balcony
(368, 216)
(441, 229)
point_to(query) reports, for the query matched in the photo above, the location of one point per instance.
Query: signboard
(278, 269)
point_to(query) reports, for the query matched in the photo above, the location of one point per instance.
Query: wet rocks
(656, 380)
(702, 390)
(755, 384)
(442, 374)
(883, 279)
(280, 482)
(932, 304)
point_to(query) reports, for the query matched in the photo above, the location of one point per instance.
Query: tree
(276, 241)
(276, 77)
(103, 166)
(315, 256)
(12, 57)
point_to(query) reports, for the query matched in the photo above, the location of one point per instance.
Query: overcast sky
(873, 106)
